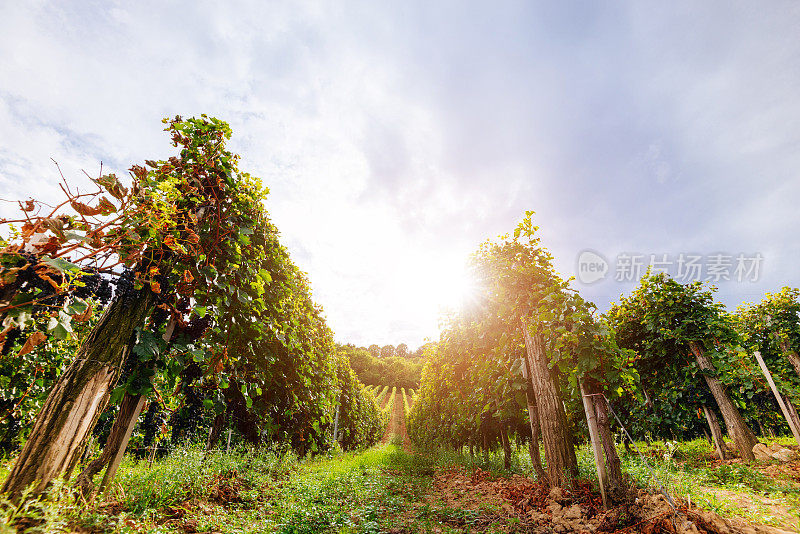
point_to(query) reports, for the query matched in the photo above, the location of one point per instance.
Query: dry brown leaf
(35, 339)
(27, 230)
(85, 316)
(105, 206)
(85, 209)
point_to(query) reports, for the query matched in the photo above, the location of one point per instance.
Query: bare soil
(539, 509)
(397, 424)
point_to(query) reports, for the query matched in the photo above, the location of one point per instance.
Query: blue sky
(395, 137)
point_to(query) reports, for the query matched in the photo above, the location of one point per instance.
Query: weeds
(376, 490)
(188, 473)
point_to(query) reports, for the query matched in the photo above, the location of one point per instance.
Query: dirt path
(397, 423)
(402, 427)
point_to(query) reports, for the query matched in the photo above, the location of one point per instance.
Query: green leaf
(77, 306)
(60, 264)
(147, 346)
(61, 332)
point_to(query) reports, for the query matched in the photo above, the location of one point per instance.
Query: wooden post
(594, 436)
(111, 470)
(336, 425)
(716, 432)
(779, 397)
(792, 410)
(152, 455)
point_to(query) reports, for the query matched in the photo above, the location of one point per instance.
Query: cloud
(396, 137)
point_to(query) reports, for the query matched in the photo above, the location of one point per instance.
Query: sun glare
(442, 287)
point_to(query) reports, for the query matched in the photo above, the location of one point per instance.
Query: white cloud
(395, 138)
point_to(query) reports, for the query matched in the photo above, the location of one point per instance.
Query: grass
(689, 471)
(350, 493)
(376, 490)
(187, 473)
(364, 492)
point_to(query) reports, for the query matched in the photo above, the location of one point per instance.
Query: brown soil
(225, 489)
(403, 431)
(789, 472)
(397, 423)
(394, 423)
(539, 509)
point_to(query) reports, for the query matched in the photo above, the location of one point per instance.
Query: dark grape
(152, 422)
(125, 291)
(159, 317)
(183, 305)
(104, 292)
(196, 327)
(166, 291)
(11, 338)
(91, 282)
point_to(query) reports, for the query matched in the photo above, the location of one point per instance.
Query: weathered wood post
(152, 455)
(597, 447)
(778, 397)
(336, 425)
(716, 432)
(111, 470)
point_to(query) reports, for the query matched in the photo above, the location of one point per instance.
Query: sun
(455, 289)
(441, 286)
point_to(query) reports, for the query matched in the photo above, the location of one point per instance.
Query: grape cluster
(92, 282)
(29, 280)
(159, 317)
(153, 419)
(166, 288)
(11, 339)
(196, 327)
(183, 305)
(104, 292)
(185, 420)
(36, 287)
(95, 286)
(125, 291)
(11, 428)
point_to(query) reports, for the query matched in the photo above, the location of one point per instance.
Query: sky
(395, 137)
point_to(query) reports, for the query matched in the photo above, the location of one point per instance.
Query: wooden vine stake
(716, 432)
(336, 425)
(111, 470)
(597, 447)
(779, 397)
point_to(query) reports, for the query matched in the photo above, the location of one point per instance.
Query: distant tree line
(387, 365)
